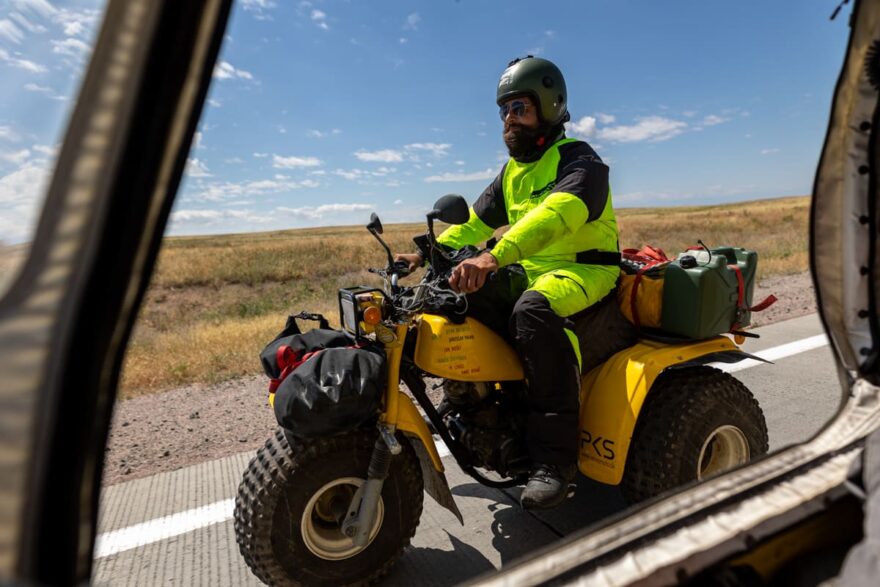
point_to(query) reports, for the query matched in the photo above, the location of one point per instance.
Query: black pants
(551, 367)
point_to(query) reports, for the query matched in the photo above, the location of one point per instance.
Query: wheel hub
(322, 517)
(725, 448)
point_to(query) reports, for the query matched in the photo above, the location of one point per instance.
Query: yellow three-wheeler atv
(339, 507)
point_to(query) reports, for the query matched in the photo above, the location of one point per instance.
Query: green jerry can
(700, 292)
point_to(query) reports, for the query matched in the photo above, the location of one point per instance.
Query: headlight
(360, 309)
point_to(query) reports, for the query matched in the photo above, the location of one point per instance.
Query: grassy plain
(215, 301)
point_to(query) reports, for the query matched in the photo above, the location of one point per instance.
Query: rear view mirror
(451, 209)
(375, 224)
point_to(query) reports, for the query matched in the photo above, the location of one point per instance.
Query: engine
(489, 423)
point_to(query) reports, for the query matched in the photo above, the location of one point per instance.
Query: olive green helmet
(540, 80)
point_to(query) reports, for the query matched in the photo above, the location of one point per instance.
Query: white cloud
(41, 7)
(10, 32)
(71, 47)
(436, 149)
(20, 195)
(230, 190)
(402, 40)
(412, 22)
(382, 156)
(77, 23)
(38, 88)
(674, 196)
(225, 70)
(258, 7)
(25, 64)
(650, 128)
(197, 140)
(317, 212)
(261, 155)
(769, 151)
(475, 176)
(712, 120)
(215, 103)
(26, 24)
(257, 4)
(215, 217)
(361, 174)
(350, 174)
(46, 150)
(15, 157)
(605, 118)
(459, 163)
(584, 127)
(398, 201)
(196, 168)
(8, 134)
(320, 18)
(280, 162)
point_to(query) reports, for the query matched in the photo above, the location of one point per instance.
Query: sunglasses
(517, 107)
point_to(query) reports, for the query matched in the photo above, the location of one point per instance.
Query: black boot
(547, 487)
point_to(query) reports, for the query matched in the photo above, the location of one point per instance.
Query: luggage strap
(597, 257)
(741, 308)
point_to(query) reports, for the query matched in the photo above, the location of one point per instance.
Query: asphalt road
(176, 528)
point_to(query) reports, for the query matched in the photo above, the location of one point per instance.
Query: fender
(411, 423)
(612, 396)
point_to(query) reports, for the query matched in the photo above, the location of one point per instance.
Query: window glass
(44, 50)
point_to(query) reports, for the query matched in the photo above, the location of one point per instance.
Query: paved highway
(176, 528)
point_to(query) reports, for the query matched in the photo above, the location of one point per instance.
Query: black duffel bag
(317, 339)
(334, 391)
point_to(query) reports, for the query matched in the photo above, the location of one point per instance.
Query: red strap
(284, 356)
(768, 301)
(740, 294)
(646, 254)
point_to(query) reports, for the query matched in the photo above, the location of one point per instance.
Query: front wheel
(289, 503)
(696, 422)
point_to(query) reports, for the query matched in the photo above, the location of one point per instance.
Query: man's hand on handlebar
(414, 260)
(470, 275)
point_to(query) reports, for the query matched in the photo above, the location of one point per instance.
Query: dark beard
(522, 142)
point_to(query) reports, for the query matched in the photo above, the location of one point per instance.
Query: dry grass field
(215, 301)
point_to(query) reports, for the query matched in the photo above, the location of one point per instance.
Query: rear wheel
(696, 423)
(291, 499)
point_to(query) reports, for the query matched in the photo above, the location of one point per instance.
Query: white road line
(117, 541)
(163, 528)
(776, 353)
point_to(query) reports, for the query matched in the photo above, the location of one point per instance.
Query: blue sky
(323, 111)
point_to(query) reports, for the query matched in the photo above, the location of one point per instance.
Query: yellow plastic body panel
(466, 352)
(612, 396)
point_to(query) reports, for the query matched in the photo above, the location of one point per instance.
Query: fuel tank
(465, 352)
